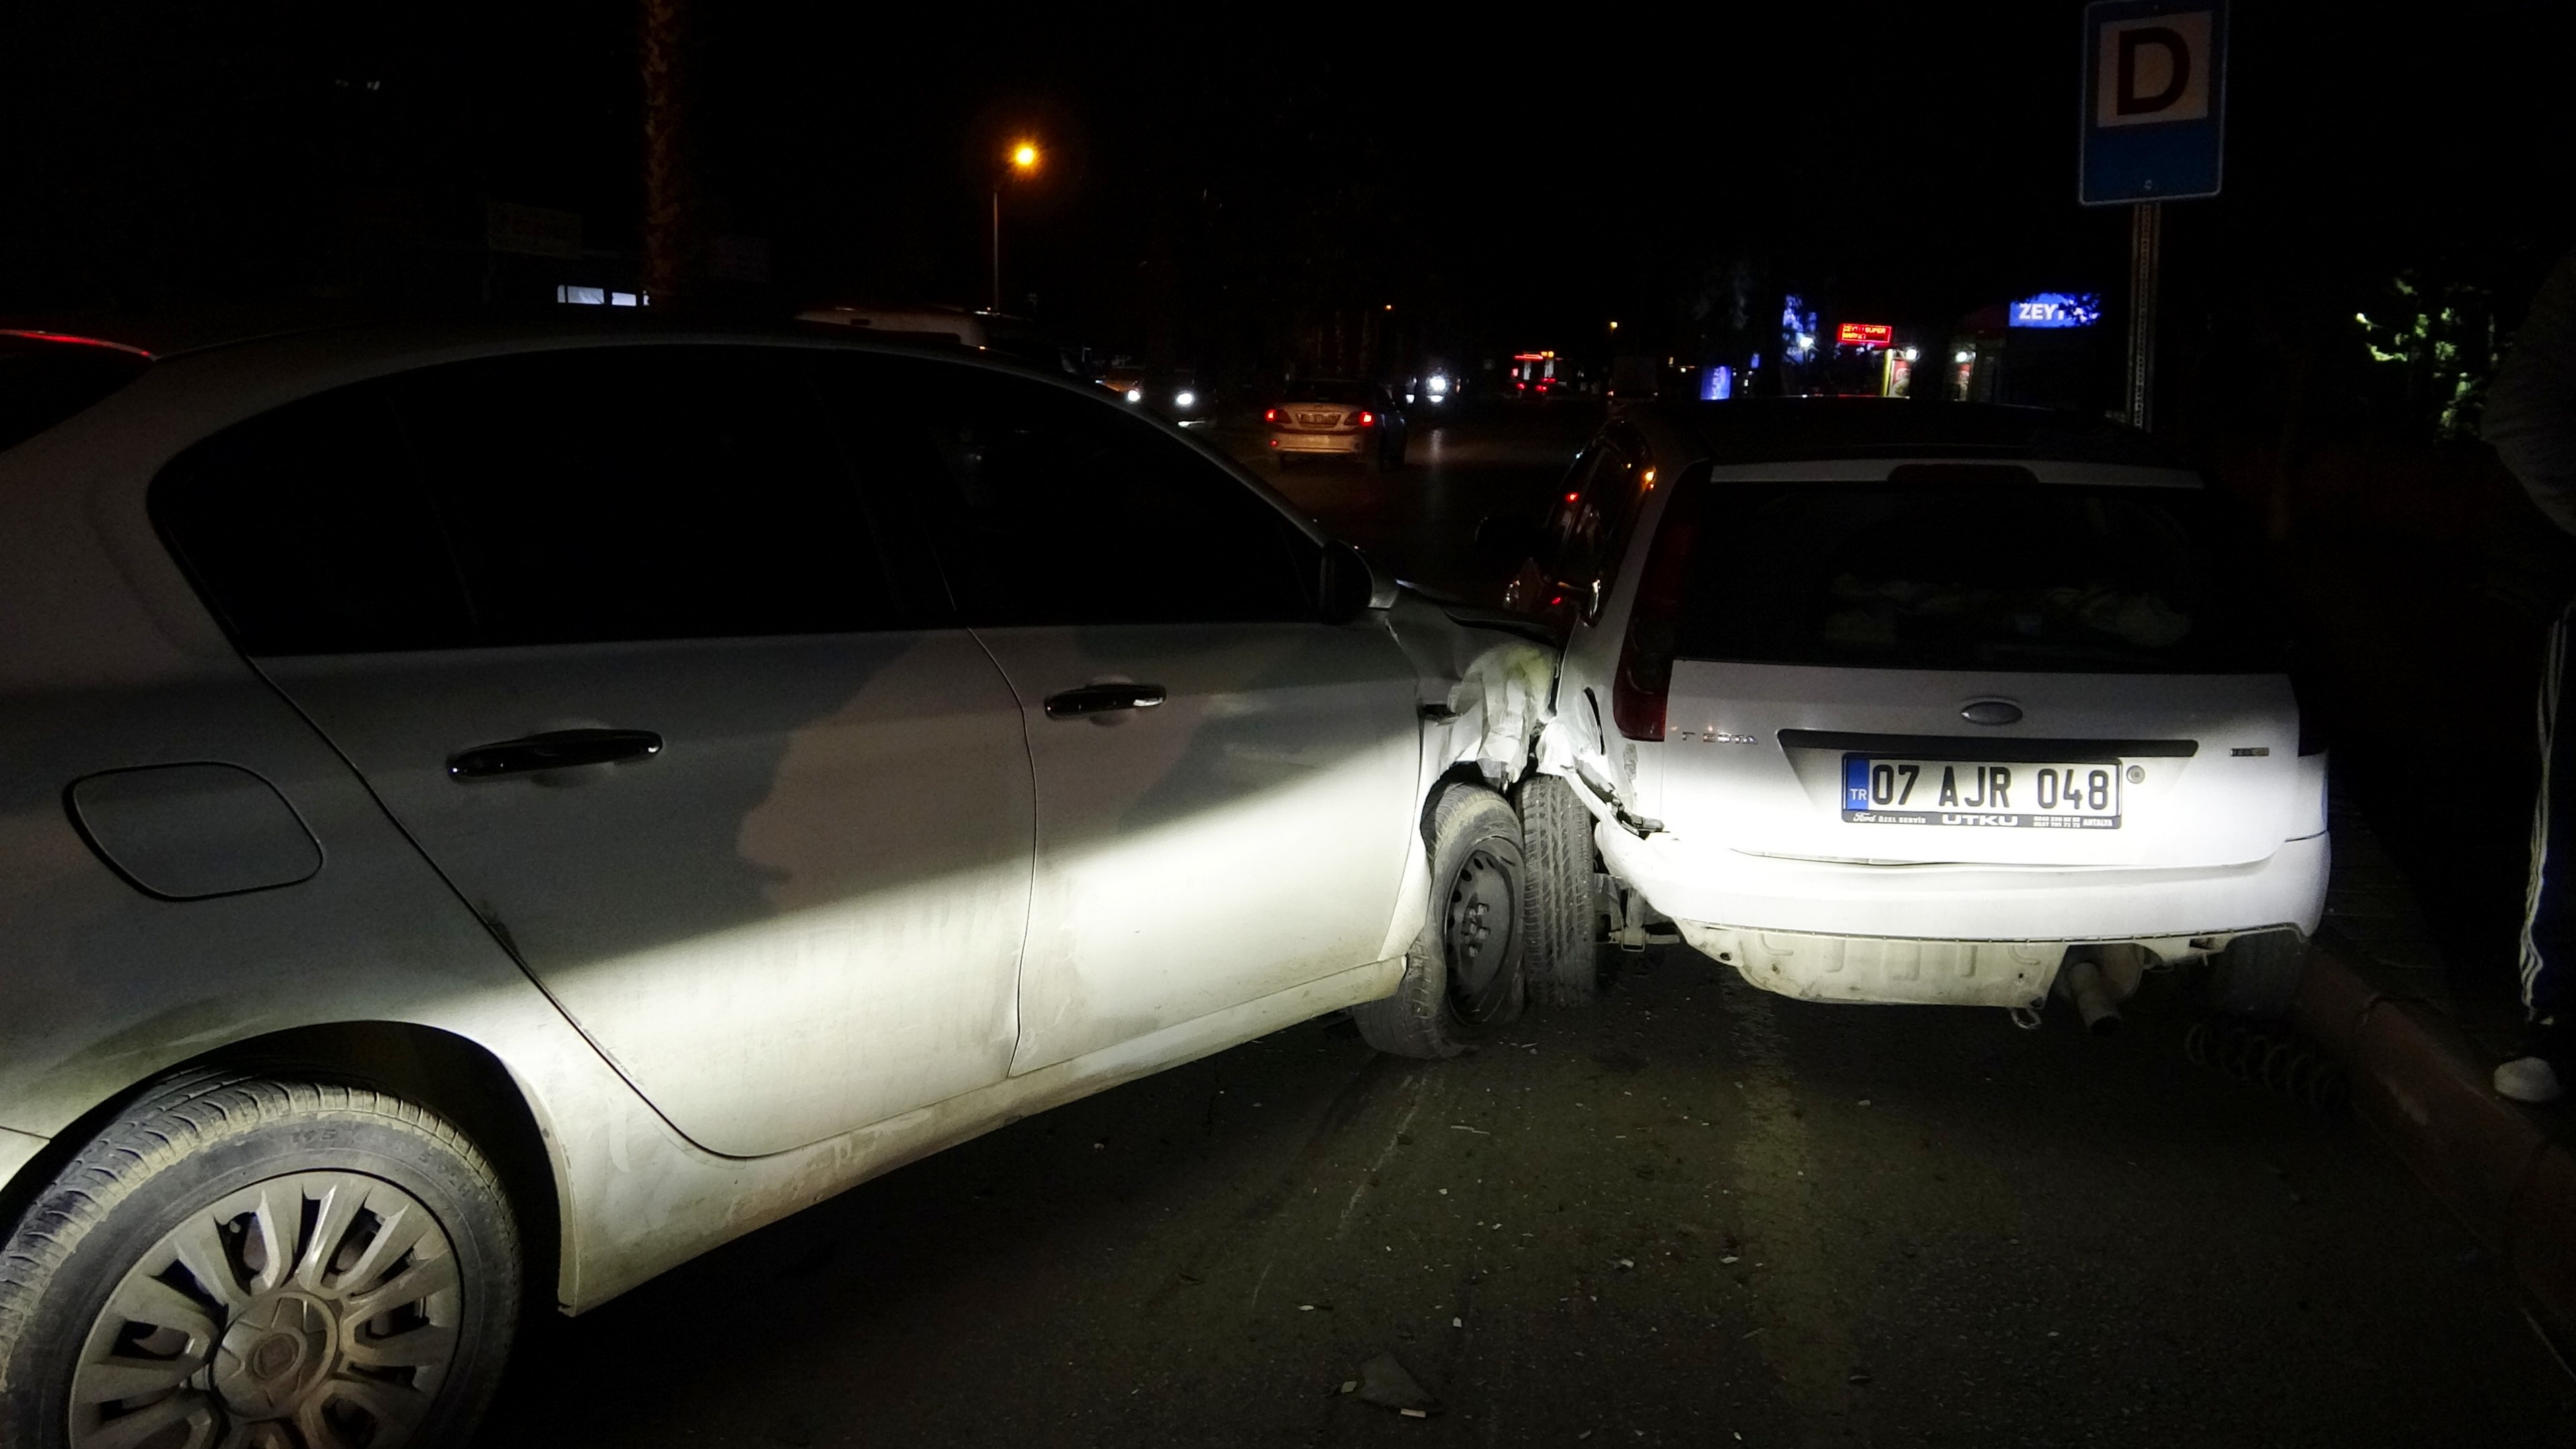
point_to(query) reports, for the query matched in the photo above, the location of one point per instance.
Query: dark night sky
(1494, 171)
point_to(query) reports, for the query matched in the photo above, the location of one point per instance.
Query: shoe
(2528, 1079)
(2532, 1075)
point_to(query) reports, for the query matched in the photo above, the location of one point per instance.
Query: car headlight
(1437, 386)
(1135, 395)
(1185, 399)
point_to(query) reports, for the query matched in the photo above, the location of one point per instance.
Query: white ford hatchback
(1915, 702)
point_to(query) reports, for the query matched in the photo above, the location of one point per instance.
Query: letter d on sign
(2153, 70)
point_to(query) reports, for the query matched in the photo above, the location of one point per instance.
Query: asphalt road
(1693, 1213)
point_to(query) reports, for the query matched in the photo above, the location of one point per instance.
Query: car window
(1589, 521)
(642, 493)
(1057, 508)
(1604, 511)
(2034, 577)
(541, 498)
(308, 533)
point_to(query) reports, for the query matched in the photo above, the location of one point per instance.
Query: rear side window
(2026, 578)
(543, 498)
(307, 531)
(43, 382)
(641, 493)
(1056, 508)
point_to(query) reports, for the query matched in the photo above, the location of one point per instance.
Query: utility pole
(2146, 261)
(663, 33)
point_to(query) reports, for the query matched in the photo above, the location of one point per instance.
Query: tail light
(1270, 415)
(1368, 420)
(1639, 690)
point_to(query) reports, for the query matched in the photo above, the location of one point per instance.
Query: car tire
(2255, 976)
(236, 1248)
(1463, 977)
(1561, 954)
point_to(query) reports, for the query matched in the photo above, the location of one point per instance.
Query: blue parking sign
(2155, 100)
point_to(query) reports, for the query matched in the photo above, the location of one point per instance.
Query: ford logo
(1990, 712)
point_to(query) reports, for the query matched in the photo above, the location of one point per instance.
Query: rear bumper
(1353, 442)
(1717, 888)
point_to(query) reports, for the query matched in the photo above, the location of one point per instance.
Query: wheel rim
(311, 1311)
(1481, 931)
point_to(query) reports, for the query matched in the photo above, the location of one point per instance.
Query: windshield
(2029, 577)
(43, 382)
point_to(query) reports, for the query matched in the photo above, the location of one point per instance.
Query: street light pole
(1023, 160)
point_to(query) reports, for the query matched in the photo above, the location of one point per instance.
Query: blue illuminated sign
(2057, 309)
(1717, 384)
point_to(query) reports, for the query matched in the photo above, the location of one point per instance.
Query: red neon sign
(1866, 334)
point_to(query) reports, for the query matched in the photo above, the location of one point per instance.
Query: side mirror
(1351, 585)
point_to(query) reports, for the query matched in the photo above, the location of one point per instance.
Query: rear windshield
(2035, 577)
(43, 382)
(1327, 392)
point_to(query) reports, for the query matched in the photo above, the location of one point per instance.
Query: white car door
(1225, 785)
(612, 636)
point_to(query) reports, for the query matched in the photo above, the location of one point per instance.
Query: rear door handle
(1094, 699)
(553, 750)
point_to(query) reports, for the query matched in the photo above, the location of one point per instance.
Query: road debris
(1389, 1385)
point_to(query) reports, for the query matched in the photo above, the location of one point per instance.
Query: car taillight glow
(1644, 681)
(1368, 420)
(1270, 415)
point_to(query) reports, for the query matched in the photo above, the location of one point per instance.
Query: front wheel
(1559, 917)
(256, 1261)
(1463, 977)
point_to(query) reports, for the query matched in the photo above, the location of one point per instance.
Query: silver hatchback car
(491, 813)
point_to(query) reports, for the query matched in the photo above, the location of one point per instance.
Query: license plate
(1318, 420)
(1887, 790)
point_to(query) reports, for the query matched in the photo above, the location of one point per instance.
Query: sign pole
(2154, 129)
(2146, 261)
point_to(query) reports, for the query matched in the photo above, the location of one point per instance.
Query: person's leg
(2549, 912)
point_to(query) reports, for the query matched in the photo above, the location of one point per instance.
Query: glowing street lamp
(1024, 160)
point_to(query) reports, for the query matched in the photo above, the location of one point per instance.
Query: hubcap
(1482, 929)
(312, 1311)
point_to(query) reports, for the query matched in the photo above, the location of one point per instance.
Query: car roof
(1772, 430)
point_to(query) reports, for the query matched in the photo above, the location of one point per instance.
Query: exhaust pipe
(2083, 984)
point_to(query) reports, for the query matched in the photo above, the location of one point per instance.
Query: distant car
(1887, 701)
(1172, 395)
(1336, 418)
(493, 812)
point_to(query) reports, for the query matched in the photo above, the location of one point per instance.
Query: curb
(2426, 1090)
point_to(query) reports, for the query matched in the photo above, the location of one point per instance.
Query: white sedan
(491, 814)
